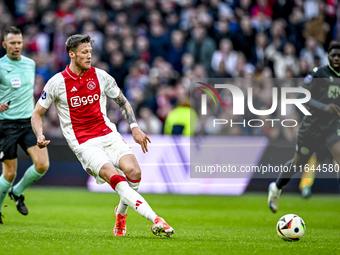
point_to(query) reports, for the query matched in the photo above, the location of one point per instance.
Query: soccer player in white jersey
(17, 74)
(79, 93)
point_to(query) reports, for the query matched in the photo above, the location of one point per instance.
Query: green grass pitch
(76, 221)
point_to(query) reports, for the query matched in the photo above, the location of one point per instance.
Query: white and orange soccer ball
(291, 227)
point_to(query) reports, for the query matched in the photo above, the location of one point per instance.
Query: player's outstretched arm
(129, 116)
(331, 108)
(36, 121)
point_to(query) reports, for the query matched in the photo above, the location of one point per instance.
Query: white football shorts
(96, 152)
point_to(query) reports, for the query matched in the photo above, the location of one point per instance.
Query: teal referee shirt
(16, 85)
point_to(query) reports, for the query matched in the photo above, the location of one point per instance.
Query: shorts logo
(78, 101)
(43, 95)
(91, 85)
(304, 150)
(89, 171)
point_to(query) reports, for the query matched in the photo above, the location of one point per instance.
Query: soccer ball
(291, 227)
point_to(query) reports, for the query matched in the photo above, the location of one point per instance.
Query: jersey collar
(74, 76)
(338, 74)
(71, 74)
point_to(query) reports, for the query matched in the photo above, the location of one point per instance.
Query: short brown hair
(12, 30)
(75, 40)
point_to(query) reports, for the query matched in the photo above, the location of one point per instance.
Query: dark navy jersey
(324, 85)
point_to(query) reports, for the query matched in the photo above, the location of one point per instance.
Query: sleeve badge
(308, 79)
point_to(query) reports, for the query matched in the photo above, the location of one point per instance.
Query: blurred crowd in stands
(155, 48)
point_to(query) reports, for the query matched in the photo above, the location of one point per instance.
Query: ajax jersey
(81, 103)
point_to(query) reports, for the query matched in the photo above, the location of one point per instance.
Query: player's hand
(41, 142)
(332, 108)
(3, 107)
(141, 138)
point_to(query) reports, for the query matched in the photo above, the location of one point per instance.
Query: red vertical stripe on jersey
(83, 97)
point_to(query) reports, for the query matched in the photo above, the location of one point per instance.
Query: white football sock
(135, 200)
(122, 206)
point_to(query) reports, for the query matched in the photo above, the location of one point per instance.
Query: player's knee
(335, 151)
(133, 172)
(107, 171)
(337, 159)
(10, 175)
(42, 167)
(294, 162)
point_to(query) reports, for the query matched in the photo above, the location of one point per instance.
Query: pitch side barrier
(166, 167)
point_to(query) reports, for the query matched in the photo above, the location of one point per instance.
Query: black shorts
(324, 155)
(14, 133)
(314, 140)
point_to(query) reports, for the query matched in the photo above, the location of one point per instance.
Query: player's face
(13, 44)
(83, 56)
(334, 58)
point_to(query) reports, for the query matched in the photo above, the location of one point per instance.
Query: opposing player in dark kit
(322, 128)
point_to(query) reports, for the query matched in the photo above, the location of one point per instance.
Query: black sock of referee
(284, 177)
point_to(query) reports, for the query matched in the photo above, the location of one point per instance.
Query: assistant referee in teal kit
(17, 74)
